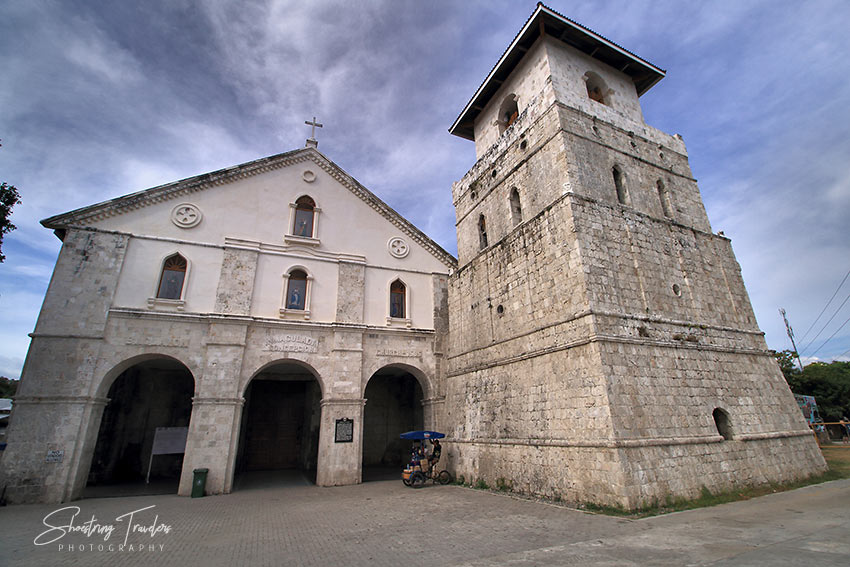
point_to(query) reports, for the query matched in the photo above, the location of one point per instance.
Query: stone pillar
(211, 444)
(236, 282)
(50, 443)
(340, 463)
(350, 292)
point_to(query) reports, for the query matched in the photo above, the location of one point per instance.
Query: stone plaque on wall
(55, 456)
(344, 432)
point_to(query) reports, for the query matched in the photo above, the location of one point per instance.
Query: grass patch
(837, 458)
(481, 484)
(502, 485)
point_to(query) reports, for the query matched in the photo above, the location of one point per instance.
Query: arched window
(508, 112)
(664, 197)
(596, 88)
(172, 277)
(619, 183)
(398, 293)
(296, 290)
(516, 207)
(722, 423)
(482, 233)
(304, 215)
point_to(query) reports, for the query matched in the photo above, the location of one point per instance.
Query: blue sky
(103, 99)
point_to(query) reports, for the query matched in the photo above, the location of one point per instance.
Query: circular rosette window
(398, 247)
(186, 215)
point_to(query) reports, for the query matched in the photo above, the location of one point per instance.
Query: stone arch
(420, 375)
(291, 359)
(394, 398)
(119, 368)
(280, 422)
(139, 394)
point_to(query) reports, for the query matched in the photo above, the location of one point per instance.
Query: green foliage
(503, 485)
(787, 362)
(829, 383)
(8, 387)
(481, 484)
(9, 197)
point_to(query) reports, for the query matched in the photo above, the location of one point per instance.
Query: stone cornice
(83, 217)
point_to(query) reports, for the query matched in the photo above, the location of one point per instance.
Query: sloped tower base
(602, 344)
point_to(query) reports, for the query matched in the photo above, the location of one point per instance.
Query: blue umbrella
(422, 435)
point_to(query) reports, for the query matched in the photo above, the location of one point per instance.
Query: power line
(827, 323)
(832, 335)
(803, 338)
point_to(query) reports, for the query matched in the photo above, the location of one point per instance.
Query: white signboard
(170, 440)
(167, 441)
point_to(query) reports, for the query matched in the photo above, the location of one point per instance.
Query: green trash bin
(199, 482)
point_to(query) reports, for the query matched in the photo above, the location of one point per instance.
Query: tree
(785, 358)
(8, 387)
(829, 383)
(9, 197)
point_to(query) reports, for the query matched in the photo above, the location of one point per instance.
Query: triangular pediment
(182, 190)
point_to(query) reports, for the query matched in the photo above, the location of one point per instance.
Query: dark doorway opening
(154, 393)
(279, 435)
(393, 406)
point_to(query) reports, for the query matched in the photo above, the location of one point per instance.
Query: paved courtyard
(386, 524)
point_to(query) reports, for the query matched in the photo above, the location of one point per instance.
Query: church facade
(593, 341)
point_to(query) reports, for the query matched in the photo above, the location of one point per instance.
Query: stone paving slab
(386, 524)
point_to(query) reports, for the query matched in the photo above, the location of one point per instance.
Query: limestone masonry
(592, 342)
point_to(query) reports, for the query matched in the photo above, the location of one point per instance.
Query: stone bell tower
(603, 346)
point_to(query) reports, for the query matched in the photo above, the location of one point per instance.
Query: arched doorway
(393, 406)
(154, 393)
(279, 432)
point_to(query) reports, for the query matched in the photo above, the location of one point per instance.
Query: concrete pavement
(386, 524)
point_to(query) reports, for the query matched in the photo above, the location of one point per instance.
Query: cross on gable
(315, 125)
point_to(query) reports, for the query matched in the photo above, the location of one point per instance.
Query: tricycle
(421, 467)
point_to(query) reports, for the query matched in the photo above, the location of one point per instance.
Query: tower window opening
(482, 233)
(516, 207)
(597, 90)
(664, 197)
(508, 113)
(723, 423)
(619, 183)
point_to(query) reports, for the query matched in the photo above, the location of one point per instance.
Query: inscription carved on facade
(291, 343)
(181, 342)
(399, 353)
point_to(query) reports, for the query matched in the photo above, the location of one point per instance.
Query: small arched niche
(482, 233)
(508, 112)
(620, 185)
(596, 88)
(516, 207)
(722, 423)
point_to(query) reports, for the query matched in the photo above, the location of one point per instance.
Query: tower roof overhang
(545, 21)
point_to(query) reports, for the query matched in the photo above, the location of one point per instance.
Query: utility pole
(791, 336)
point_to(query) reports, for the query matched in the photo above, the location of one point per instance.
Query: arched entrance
(279, 432)
(154, 393)
(393, 406)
